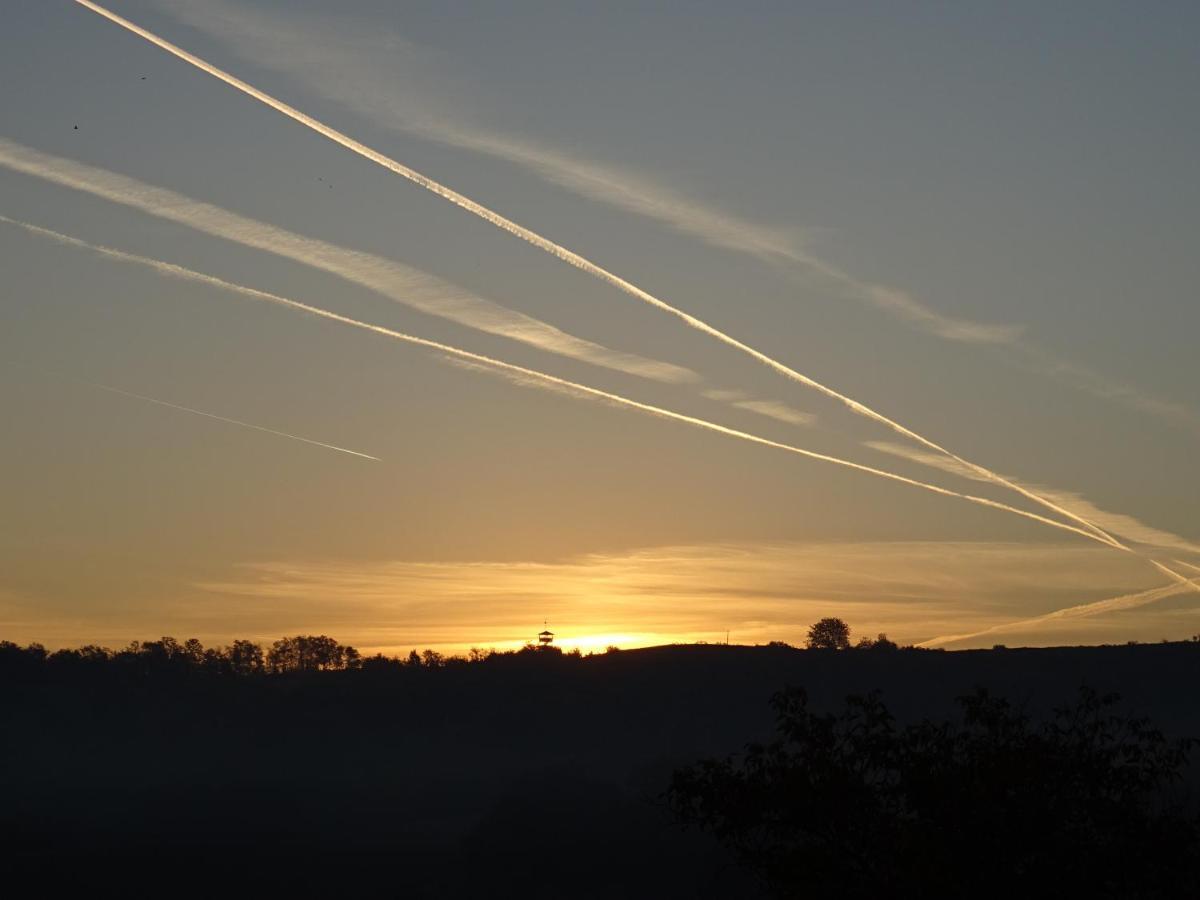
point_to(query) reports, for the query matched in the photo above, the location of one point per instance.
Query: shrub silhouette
(851, 805)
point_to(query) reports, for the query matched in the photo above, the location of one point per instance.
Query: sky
(257, 382)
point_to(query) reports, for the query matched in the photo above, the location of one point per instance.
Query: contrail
(341, 71)
(1120, 524)
(571, 258)
(560, 384)
(199, 412)
(1113, 604)
(1128, 601)
(396, 281)
(535, 376)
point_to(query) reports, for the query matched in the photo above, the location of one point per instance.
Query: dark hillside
(460, 774)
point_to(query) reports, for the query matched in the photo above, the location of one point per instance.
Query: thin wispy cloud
(525, 375)
(385, 78)
(1092, 382)
(758, 592)
(396, 281)
(773, 409)
(568, 256)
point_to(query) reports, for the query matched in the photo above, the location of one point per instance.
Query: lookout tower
(545, 638)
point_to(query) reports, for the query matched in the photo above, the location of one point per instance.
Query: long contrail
(199, 412)
(341, 70)
(533, 375)
(569, 256)
(396, 281)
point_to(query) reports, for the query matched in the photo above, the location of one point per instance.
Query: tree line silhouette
(243, 658)
(320, 653)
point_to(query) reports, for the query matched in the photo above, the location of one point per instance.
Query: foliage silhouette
(882, 642)
(829, 634)
(305, 653)
(993, 804)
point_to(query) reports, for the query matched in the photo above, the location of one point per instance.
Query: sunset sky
(976, 220)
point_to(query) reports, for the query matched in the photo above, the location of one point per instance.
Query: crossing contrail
(1119, 524)
(534, 376)
(350, 71)
(576, 260)
(199, 412)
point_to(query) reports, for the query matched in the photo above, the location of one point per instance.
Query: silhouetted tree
(79, 658)
(193, 652)
(245, 658)
(21, 662)
(379, 663)
(829, 634)
(850, 805)
(306, 653)
(431, 659)
(881, 642)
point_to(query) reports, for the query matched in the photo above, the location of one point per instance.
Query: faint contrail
(199, 412)
(1128, 601)
(535, 376)
(569, 256)
(1113, 604)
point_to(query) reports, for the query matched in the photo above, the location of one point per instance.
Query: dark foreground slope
(526, 775)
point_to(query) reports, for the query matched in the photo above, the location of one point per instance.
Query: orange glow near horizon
(597, 642)
(680, 594)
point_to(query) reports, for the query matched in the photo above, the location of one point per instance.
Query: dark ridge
(447, 776)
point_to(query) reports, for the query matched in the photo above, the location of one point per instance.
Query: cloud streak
(541, 379)
(647, 595)
(393, 280)
(572, 258)
(653, 595)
